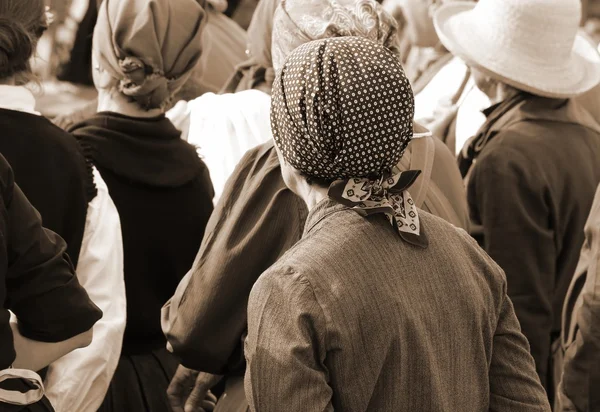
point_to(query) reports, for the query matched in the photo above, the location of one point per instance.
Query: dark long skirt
(140, 383)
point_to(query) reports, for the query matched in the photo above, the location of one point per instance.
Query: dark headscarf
(342, 111)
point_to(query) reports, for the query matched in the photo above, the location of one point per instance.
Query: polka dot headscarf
(342, 108)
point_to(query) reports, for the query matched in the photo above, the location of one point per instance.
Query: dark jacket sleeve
(41, 287)
(255, 221)
(56, 181)
(508, 197)
(581, 370)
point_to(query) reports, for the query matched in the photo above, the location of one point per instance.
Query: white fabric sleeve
(79, 381)
(224, 127)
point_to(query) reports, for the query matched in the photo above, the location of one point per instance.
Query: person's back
(450, 332)
(159, 185)
(577, 358)
(73, 202)
(532, 168)
(380, 306)
(162, 230)
(53, 313)
(224, 45)
(51, 171)
(164, 201)
(530, 147)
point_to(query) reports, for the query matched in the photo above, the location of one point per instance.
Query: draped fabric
(149, 47)
(341, 108)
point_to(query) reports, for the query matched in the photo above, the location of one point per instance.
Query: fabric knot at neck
(133, 69)
(148, 86)
(387, 194)
(377, 189)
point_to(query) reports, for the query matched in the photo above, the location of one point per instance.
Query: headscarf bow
(387, 194)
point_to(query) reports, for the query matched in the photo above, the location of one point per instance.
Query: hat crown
(542, 29)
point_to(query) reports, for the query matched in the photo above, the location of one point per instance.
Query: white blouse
(79, 381)
(223, 128)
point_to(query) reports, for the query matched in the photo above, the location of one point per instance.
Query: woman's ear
(291, 176)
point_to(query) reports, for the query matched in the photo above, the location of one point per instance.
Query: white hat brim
(579, 74)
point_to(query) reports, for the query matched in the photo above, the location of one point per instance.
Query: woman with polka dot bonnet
(380, 306)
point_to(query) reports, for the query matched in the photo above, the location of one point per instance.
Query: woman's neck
(113, 101)
(502, 92)
(311, 194)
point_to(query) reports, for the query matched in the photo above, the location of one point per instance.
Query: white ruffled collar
(17, 98)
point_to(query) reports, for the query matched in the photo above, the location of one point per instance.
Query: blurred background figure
(73, 201)
(223, 48)
(53, 314)
(578, 358)
(529, 189)
(591, 18)
(241, 11)
(69, 95)
(446, 99)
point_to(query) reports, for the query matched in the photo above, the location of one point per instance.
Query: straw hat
(532, 45)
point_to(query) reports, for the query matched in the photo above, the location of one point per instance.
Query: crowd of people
(353, 205)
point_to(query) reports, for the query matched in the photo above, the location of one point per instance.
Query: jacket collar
(146, 151)
(522, 107)
(328, 207)
(320, 212)
(534, 108)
